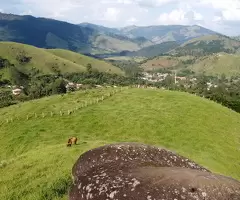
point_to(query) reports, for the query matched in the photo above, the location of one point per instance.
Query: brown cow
(72, 140)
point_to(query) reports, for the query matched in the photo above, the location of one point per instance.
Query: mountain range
(92, 39)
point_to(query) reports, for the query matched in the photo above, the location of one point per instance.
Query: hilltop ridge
(35, 149)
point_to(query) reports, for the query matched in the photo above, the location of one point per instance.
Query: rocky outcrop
(140, 172)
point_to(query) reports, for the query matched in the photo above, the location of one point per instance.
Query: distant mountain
(100, 29)
(149, 51)
(159, 34)
(112, 39)
(154, 50)
(45, 33)
(49, 33)
(93, 39)
(206, 45)
(236, 38)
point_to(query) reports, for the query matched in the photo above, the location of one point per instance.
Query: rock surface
(130, 171)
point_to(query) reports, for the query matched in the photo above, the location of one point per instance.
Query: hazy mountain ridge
(95, 39)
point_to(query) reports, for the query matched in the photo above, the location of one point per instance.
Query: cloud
(180, 16)
(132, 21)
(219, 15)
(111, 14)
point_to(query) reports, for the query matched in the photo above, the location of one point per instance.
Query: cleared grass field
(80, 59)
(218, 64)
(44, 60)
(36, 164)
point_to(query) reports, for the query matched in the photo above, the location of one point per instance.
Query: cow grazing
(72, 140)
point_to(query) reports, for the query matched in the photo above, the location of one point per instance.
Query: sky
(222, 16)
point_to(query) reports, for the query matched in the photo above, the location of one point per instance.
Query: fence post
(27, 117)
(35, 115)
(61, 114)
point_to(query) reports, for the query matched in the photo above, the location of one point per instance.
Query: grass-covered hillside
(36, 164)
(26, 57)
(83, 60)
(161, 62)
(206, 45)
(217, 64)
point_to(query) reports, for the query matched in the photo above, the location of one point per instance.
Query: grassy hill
(206, 45)
(217, 64)
(170, 62)
(36, 164)
(83, 60)
(46, 60)
(214, 64)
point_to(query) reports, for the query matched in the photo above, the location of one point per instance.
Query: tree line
(225, 91)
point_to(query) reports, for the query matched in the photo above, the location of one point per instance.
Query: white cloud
(111, 14)
(174, 17)
(179, 16)
(131, 21)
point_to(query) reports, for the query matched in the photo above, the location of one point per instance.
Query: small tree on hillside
(58, 87)
(89, 68)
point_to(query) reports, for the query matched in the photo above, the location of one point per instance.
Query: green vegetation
(154, 50)
(206, 45)
(217, 64)
(130, 67)
(26, 57)
(137, 59)
(114, 44)
(34, 153)
(168, 62)
(41, 71)
(213, 65)
(83, 60)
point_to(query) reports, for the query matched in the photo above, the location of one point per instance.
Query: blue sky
(219, 15)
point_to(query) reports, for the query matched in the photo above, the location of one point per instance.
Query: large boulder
(130, 171)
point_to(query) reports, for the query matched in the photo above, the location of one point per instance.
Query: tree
(58, 87)
(18, 77)
(89, 68)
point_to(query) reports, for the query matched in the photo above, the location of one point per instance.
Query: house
(78, 86)
(17, 91)
(70, 85)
